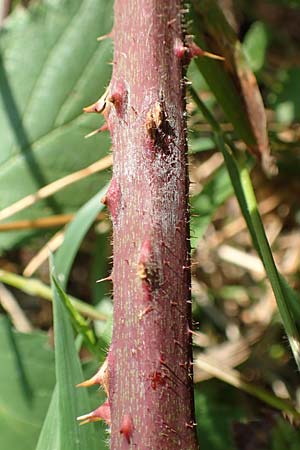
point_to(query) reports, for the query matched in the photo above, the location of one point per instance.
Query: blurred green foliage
(51, 66)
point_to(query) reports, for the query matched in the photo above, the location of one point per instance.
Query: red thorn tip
(104, 127)
(118, 97)
(127, 427)
(179, 49)
(113, 198)
(101, 413)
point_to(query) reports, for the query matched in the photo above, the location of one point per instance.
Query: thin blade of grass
(74, 235)
(80, 324)
(19, 364)
(71, 402)
(243, 187)
(49, 437)
(286, 298)
(35, 287)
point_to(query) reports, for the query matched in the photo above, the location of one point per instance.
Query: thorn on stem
(127, 427)
(109, 278)
(101, 377)
(190, 425)
(112, 198)
(191, 50)
(101, 413)
(100, 106)
(106, 36)
(98, 130)
(118, 97)
(195, 50)
(145, 311)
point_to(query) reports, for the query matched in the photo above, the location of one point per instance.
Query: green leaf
(216, 416)
(232, 81)
(48, 439)
(72, 402)
(203, 206)
(51, 66)
(287, 104)
(80, 324)
(227, 420)
(284, 435)
(287, 300)
(217, 78)
(200, 144)
(104, 329)
(21, 416)
(255, 45)
(243, 188)
(64, 259)
(74, 235)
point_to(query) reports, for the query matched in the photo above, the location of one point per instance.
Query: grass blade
(35, 287)
(244, 190)
(71, 402)
(80, 324)
(241, 182)
(74, 235)
(17, 355)
(49, 436)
